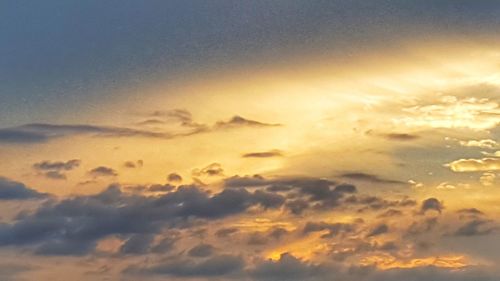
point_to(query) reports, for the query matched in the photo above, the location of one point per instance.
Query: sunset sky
(250, 140)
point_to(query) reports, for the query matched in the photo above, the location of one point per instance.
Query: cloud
(487, 179)
(486, 143)
(224, 232)
(137, 244)
(103, 171)
(73, 225)
(201, 250)
(475, 227)
(10, 272)
(288, 267)
(394, 136)
(15, 135)
(391, 213)
(317, 189)
(133, 164)
(431, 204)
(378, 230)
(264, 154)
(43, 132)
(214, 169)
(454, 113)
(401, 136)
(470, 211)
(57, 165)
(219, 265)
(333, 228)
(369, 178)
(39, 132)
(174, 177)
(12, 190)
(475, 165)
(56, 169)
(238, 121)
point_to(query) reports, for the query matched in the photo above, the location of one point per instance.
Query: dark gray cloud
(288, 267)
(378, 230)
(160, 188)
(39, 132)
(56, 169)
(174, 177)
(224, 232)
(368, 202)
(137, 244)
(55, 175)
(322, 192)
(421, 227)
(401, 136)
(476, 227)
(43, 132)
(103, 171)
(263, 154)
(214, 169)
(12, 190)
(219, 265)
(73, 225)
(133, 164)
(10, 271)
(369, 178)
(166, 244)
(17, 136)
(334, 229)
(57, 165)
(431, 204)
(201, 250)
(470, 211)
(238, 121)
(391, 213)
(297, 206)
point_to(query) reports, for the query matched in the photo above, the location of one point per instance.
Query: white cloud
(453, 112)
(486, 143)
(475, 165)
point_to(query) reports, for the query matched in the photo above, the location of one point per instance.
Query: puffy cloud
(57, 165)
(475, 227)
(219, 265)
(12, 190)
(487, 179)
(56, 169)
(431, 204)
(475, 165)
(486, 143)
(214, 169)
(288, 267)
(174, 177)
(453, 112)
(73, 225)
(103, 171)
(133, 164)
(378, 230)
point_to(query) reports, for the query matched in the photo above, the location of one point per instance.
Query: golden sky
(365, 152)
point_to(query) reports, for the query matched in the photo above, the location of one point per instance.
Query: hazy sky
(250, 140)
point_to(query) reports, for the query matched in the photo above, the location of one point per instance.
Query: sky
(250, 140)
